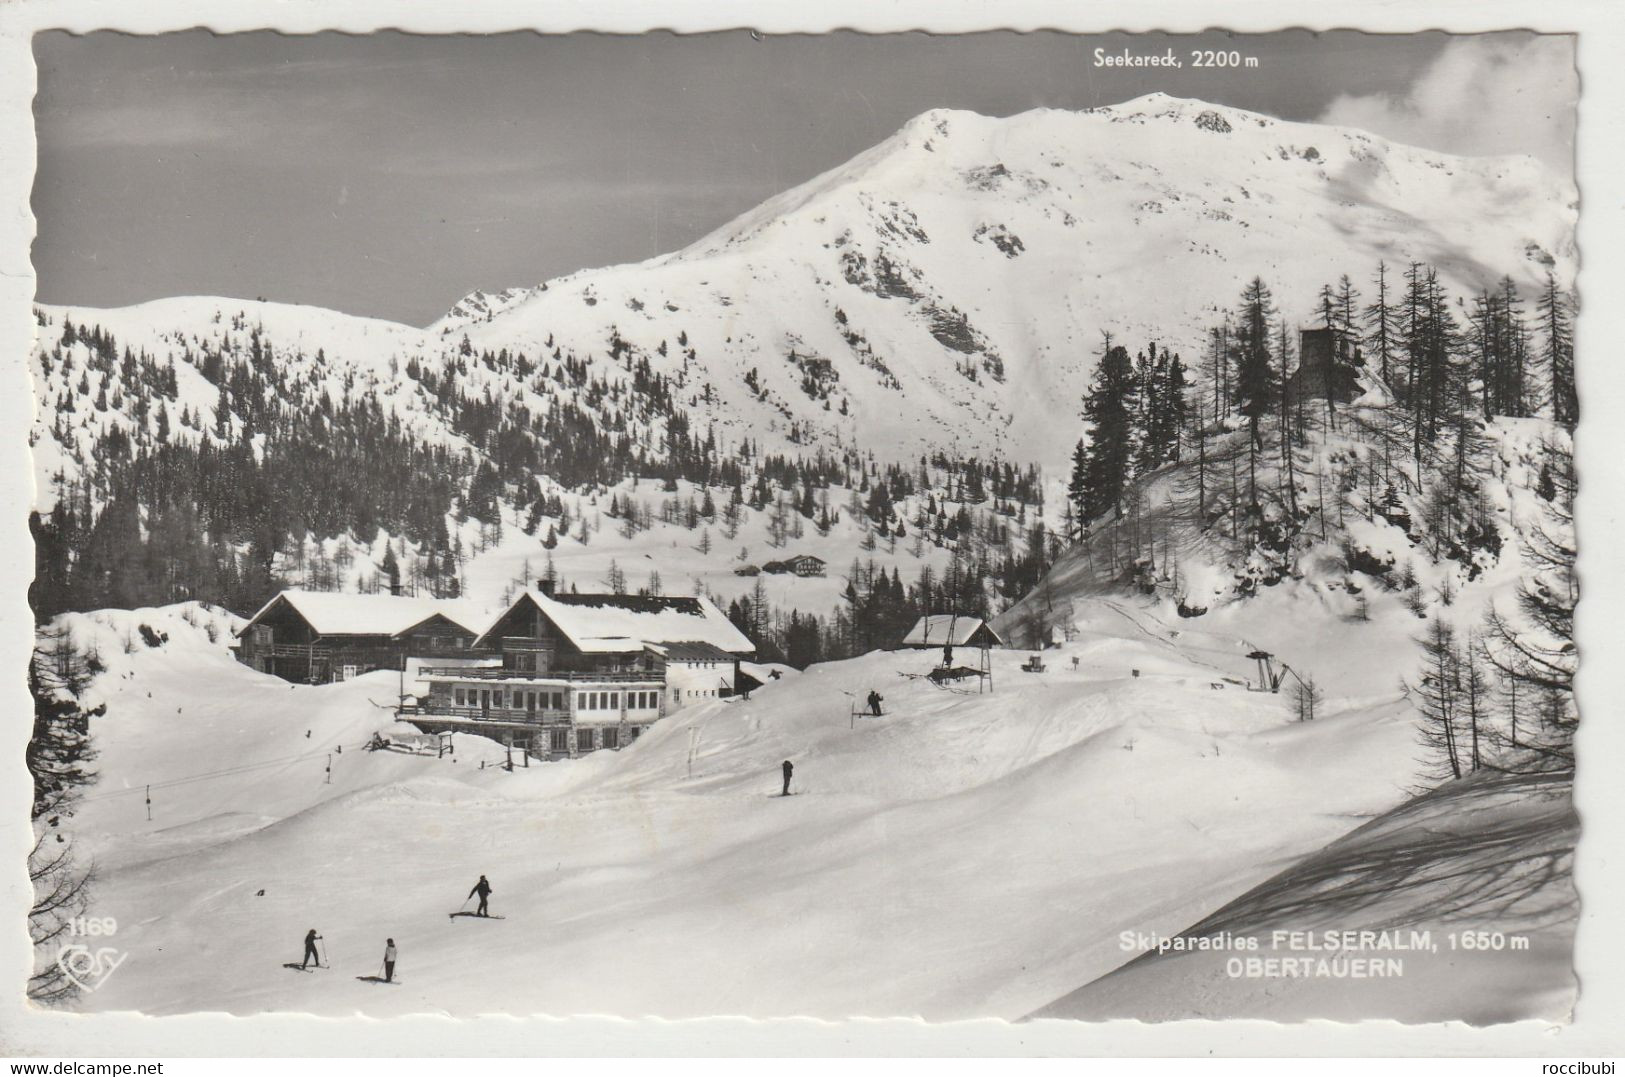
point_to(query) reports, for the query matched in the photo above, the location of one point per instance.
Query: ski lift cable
(190, 778)
(206, 775)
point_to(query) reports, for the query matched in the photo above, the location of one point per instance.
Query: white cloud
(1481, 95)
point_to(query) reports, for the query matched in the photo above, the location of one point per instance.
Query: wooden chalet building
(802, 564)
(584, 672)
(313, 637)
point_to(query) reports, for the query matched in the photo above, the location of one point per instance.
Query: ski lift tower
(1267, 679)
(953, 632)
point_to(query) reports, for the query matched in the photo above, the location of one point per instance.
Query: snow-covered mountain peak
(947, 287)
(480, 304)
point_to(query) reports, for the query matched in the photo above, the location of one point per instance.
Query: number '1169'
(92, 925)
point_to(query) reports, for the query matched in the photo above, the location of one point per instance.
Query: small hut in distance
(951, 630)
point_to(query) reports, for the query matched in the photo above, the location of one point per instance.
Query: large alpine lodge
(573, 673)
(556, 675)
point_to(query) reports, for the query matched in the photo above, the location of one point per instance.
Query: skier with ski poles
(483, 889)
(310, 950)
(389, 961)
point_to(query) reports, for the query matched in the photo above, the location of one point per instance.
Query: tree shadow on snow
(1495, 849)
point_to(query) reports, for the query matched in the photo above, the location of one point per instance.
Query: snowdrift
(1483, 867)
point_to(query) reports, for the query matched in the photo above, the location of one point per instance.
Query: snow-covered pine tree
(1255, 371)
(1108, 445)
(1433, 345)
(1077, 495)
(1556, 313)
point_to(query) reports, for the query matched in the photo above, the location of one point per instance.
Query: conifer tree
(1255, 372)
(1077, 490)
(1107, 447)
(1556, 328)
(1437, 696)
(1348, 306)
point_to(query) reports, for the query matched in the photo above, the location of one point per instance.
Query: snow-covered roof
(691, 652)
(939, 629)
(651, 619)
(614, 624)
(331, 613)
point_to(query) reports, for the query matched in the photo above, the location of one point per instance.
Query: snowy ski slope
(965, 855)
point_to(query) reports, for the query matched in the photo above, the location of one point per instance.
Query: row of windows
(515, 699)
(611, 701)
(532, 700)
(590, 740)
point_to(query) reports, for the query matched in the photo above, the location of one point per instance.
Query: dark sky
(391, 174)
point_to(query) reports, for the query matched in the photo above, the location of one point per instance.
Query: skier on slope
(875, 700)
(310, 949)
(483, 889)
(389, 961)
(788, 770)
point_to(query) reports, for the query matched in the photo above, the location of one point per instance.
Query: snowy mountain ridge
(950, 284)
(944, 290)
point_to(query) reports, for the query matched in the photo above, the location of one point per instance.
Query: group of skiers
(313, 954)
(313, 957)
(873, 702)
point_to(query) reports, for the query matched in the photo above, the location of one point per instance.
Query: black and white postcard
(1049, 526)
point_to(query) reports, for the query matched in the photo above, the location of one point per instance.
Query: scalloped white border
(1600, 1017)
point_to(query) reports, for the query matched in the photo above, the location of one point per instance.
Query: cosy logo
(86, 967)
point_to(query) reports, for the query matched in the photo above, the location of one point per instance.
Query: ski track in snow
(966, 855)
